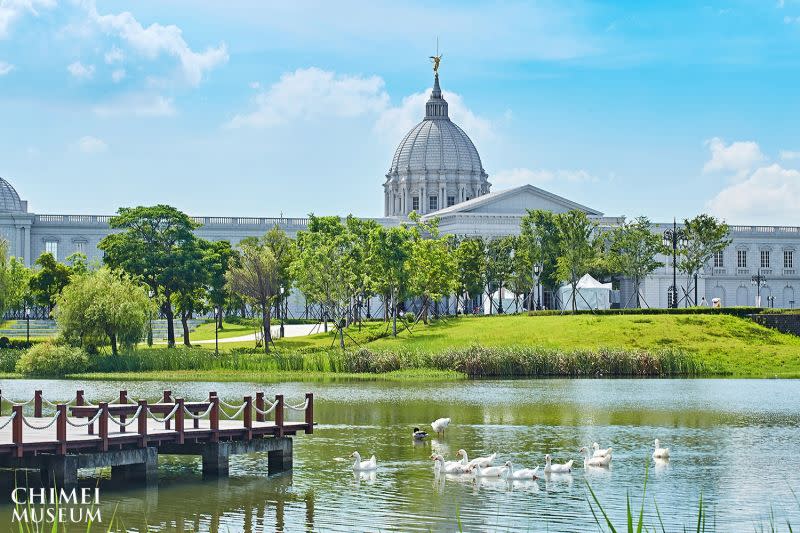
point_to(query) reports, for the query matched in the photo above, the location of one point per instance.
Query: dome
(9, 199)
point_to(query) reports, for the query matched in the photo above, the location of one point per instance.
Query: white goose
(522, 473)
(491, 471)
(483, 462)
(440, 424)
(596, 460)
(447, 467)
(550, 468)
(600, 452)
(659, 452)
(363, 466)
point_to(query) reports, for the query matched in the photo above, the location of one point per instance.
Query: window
(51, 247)
(433, 203)
(719, 260)
(764, 258)
(741, 258)
(451, 200)
(415, 203)
(788, 259)
(80, 247)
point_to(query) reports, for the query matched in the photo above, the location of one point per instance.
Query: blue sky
(259, 108)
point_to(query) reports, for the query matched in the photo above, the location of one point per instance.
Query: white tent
(511, 303)
(590, 294)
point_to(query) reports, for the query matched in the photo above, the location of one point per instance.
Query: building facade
(437, 172)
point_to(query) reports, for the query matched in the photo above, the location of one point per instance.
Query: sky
(261, 108)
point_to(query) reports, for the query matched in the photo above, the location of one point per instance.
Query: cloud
(791, 20)
(767, 194)
(157, 39)
(91, 145)
(81, 71)
(5, 68)
(737, 157)
(790, 155)
(118, 75)
(515, 177)
(12, 10)
(313, 93)
(136, 105)
(115, 55)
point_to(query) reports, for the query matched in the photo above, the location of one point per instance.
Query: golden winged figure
(436, 60)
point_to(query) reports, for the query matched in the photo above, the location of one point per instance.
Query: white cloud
(81, 71)
(91, 145)
(737, 157)
(5, 68)
(12, 10)
(766, 195)
(156, 39)
(254, 85)
(137, 105)
(118, 75)
(791, 20)
(115, 55)
(790, 155)
(515, 177)
(312, 93)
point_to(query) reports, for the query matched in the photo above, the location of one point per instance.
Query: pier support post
(146, 472)
(61, 471)
(280, 460)
(216, 459)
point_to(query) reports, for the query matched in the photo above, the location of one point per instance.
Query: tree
(577, 248)
(217, 256)
(102, 306)
(256, 277)
(155, 244)
(48, 280)
(470, 257)
(498, 268)
(705, 236)
(521, 278)
(390, 250)
(632, 250)
(284, 250)
(14, 281)
(538, 233)
(431, 267)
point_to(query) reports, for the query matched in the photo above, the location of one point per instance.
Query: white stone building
(437, 171)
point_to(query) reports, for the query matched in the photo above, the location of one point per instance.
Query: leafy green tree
(538, 233)
(14, 281)
(578, 248)
(470, 257)
(190, 295)
(153, 244)
(632, 251)
(48, 280)
(390, 250)
(705, 236)
(284, 250)
(255, 275)
(217, 256)
(431, 267)
(521, 279)
(498, 269)
(102, 306)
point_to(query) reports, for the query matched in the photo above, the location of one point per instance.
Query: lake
(734, 441)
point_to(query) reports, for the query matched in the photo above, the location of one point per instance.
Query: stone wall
(783, 323)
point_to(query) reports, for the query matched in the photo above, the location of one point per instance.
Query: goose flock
(484, 467)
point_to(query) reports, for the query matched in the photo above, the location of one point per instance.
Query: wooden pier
(129, 435)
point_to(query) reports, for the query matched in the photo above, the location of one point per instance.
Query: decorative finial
(437, 58)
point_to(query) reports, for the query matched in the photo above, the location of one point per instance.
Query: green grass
(415, 374)
(206, 331)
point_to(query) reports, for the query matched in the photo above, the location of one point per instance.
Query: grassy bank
(421, 374)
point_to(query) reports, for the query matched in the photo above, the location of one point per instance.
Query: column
(216, 456)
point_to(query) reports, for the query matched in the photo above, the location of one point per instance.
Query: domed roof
(436, 144)
(9, 199)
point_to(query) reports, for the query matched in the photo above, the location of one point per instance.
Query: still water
(734, 441)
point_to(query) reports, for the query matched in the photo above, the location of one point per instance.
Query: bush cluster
(49, 359)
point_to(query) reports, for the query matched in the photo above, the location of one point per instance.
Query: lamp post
(150, 294)
(673, 237)
(537, 269)
(217, 312)
(759, 281)
(281, 311)
(28, 325)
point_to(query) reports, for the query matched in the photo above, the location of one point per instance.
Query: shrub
(8, 360)
(48, 359)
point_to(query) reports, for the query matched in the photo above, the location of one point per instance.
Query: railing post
(259, 406)
(1, 402)
(79, 399)
(310, 413)
(103, 426)
(179, 419)
(16, 429)
(123, 399)
(247, 416)
(167, 399)
(214, 418)
(61, 428)
(37, 404)
(279, 415)
(142, 423)
(211, 395)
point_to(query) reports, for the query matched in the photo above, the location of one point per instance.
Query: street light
(217, 311)
(537, 269)
(28, 327)
(281, 311)
(675, 237)
(759, 281)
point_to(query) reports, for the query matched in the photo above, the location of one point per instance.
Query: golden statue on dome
(437, 58)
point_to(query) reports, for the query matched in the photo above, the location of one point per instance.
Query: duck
(659, 452)
(522, 473)
(490, 471)
(447, 467)
(595, 460)
(550, 468)
(419, 435)
(365, 466)
(480, 461)
(600, 452)
(440, 424)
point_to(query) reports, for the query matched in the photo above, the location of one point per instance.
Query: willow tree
(255, 275)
